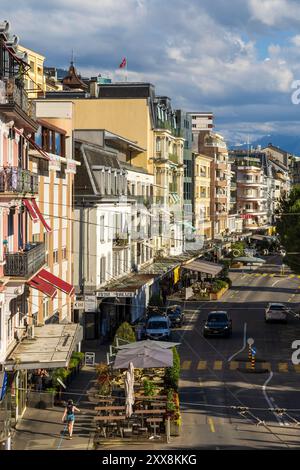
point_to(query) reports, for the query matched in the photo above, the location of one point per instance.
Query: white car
(276, 312)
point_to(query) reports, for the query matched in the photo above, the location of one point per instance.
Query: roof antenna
(72, 57)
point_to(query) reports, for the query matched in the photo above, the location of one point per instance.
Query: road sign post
(253, 353)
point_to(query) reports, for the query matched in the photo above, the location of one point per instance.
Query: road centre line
(244, 344)
(264, 388)
(211, 424)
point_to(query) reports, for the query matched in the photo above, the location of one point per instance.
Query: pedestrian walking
(69, 415)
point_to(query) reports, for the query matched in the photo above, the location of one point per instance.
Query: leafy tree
(237, 249)
(172, 373)
(288, 227)
(126, 332)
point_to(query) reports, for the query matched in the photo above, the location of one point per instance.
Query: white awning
(51, 347)
(204, 267)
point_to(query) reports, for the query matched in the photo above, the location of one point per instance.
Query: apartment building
(34, 80)
(113, 205)
(25, 268)
(202, 202)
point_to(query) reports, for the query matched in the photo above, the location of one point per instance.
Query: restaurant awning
(206, 267)
(51, 347)
(35, 212)
(250, 260)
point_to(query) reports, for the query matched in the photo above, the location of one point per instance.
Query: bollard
(253, 362)
(249, 353)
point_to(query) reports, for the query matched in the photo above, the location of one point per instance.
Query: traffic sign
(90, 358)
(253, 350)
(250, 341)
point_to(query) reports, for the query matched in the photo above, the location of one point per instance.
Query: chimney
(94, 88)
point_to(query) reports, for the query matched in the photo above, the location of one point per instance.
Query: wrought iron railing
(26, 262)
(17, 180)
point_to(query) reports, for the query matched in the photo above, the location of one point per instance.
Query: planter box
(218, 295)
(174, 429)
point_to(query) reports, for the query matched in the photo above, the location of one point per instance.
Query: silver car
(276, 312)
(158, 328)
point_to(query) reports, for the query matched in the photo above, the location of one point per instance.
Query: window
(45, 309)
(55, 256)
(102, 269)
(102, 237)
(64, 253)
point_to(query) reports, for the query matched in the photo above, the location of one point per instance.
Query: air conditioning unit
(30, 332)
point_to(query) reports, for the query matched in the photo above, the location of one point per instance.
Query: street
(215, 373)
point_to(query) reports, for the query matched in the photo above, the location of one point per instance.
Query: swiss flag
(123, 63)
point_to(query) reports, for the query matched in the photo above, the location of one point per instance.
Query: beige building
(35, 82)
(202, 202)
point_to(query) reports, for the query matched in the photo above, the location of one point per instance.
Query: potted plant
(104, 379)
(173, 413)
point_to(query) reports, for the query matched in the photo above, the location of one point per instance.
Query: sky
(237, 58)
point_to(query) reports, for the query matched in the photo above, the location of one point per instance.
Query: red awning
(40, 215)
(56, 282)
(34, 216)
(39, 284)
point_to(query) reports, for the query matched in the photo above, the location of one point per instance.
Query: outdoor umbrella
(144, 358)
(244, 259)
(150, 344)
(129, 392)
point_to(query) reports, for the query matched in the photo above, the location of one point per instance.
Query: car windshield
(173, 312)
(156, 325)
(218, 317)
(277, 307)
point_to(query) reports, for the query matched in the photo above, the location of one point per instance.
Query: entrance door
(90, 325)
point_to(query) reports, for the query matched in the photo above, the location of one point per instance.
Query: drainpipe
(81, 248)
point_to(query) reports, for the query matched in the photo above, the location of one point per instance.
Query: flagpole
(126, 69)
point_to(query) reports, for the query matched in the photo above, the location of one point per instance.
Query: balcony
(175, 159)
(121, 240)
(26, 263)
(15, 105)
(14, 180)
(221, 182)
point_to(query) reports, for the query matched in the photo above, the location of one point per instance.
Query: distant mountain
(290, 143)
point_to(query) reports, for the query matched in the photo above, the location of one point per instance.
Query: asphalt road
(215, 378)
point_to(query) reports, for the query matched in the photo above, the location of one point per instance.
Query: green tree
(172, 373)
(126, 332)
(288, 227)
(237, 249)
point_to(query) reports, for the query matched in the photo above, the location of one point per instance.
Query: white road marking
(264, 388)
(244, 344)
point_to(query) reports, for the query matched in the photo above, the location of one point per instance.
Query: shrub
(125, 332)
(218, 285)
(228, 281)
(149, 388)
(103, 378)
(172, 373)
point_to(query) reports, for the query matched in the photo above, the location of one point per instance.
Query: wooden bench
(109, 408)
(110, 418)
(149, 412)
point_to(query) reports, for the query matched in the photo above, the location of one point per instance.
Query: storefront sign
(89, 358)
(79, 305)
(90, 303)
(115, 294)
(71, 167)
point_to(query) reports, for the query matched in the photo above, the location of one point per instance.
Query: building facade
(202, 201)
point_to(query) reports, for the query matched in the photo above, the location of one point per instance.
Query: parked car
(158, 327)
(276, 312)
(218, 323)
(176, 315)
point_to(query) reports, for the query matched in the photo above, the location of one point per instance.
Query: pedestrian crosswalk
(218, 365)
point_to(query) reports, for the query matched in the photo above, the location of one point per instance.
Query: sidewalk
(42, 429)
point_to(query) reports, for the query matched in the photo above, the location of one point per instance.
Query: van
(158, 328)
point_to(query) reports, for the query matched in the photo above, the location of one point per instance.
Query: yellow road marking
(265, 274)
(211, 424)
(272, 275)
(186, 365)
(291, 276)
(218, 365)
(202, 365)
(257, 275)
(248, 365)
(297, 368)
(233, 365)
(266, 365)
(283, 367)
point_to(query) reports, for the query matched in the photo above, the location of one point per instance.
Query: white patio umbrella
(144, 358)
(129, 389)
(149, 343)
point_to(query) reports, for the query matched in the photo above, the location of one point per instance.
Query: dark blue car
(218, 323)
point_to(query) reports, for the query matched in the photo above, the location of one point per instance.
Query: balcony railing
(13, 92)
(27, 262)
(17, 180)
